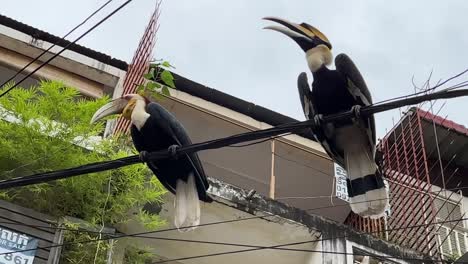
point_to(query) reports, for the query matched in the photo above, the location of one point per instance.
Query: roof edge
(236, 104)
(44, 36)
(440, 121)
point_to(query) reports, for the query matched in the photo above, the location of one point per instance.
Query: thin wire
(102, 217)
(280, 246)
(66, 47)
(305, 197)
(56, 43)
(237, 219)
(302, 164)
(439, 84)
(221, 243)
(302, 250)
(133, 235)
(259, 141)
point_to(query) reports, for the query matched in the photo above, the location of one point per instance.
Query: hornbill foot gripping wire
(172, 150)
(144, 157)
(318, 120)
(356, 110)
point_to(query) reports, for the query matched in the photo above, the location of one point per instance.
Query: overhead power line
(427, 260)
(281, 246)
(252, 247)
(237, 219)
(219, 143)
(430, 89)
(66, 47)
(55, 44)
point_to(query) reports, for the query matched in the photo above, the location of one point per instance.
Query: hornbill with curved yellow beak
(350, 143)
(154, 128)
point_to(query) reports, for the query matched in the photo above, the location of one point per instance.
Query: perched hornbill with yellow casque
(350, 143)
(154, 128)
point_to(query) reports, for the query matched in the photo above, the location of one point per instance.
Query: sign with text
(16, 248)
(341, 185)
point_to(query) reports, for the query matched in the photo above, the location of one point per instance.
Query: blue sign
(16, 248)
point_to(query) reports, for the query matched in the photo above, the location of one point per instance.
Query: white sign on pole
(341, 185)
(16, 248)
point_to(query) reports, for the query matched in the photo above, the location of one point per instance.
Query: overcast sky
(221, 44)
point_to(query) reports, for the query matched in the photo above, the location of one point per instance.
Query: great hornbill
(154, 128)
(350, 143)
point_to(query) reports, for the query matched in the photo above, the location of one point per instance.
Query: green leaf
(152, 86)
(149, 75)
(165, 91)
(167, 64)
(156, 95)
(51, 133)
(167, 78)
(140, 88)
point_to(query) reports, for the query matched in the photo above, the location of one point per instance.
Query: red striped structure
(140, 64)
(421, 151)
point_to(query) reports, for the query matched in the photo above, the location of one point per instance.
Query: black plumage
(351, 142)
(160, 131)
(335, 91)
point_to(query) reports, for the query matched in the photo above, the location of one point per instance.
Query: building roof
(451, 138)
(444, 122)
(257, 112)
(445, 144)
(42, 35)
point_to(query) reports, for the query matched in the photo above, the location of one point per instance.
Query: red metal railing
(405, 165)
(140, 64)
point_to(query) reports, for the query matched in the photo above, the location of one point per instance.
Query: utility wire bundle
(222, 142)
(250, 247)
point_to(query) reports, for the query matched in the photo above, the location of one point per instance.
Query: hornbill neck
(139, 114)
(320, 71)
(318, 56)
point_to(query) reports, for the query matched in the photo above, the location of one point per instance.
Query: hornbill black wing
(358, 88)
(307, 101)
(175, 129)
(166, 184)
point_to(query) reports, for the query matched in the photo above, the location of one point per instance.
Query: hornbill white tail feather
(368, 195)
(187, 205)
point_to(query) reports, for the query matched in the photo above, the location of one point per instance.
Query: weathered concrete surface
(258, 222)
(258, 205)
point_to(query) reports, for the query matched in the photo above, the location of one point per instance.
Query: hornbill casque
(350, 143)
(154, 128)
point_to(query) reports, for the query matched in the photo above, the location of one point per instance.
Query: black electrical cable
(66, 47)
(55, 44)
(237, 219)
(305, 250)
(219, 143)
(66, 173)
(140, 235)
